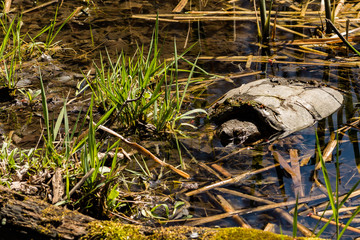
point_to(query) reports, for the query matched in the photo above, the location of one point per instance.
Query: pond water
(120, 26)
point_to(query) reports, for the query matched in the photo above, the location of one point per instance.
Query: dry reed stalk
(321, 186)
(304, 8)
(250, 12)
(305, 160)
(236, 75)
(40, 6)
(324, 63)
(283, 163)
(327, 153)
(154, 18)
(330, 212)
(231, 154)
(348, 126)
(7, 6)
(213, 18)
(228, 208)
(210, 170)
(249, 61)
(305, 49)
(204, 17)
(270, 227)
(180, 6)
(263, 200)
(326, 220)
(311, 41)
(294, 160)
(241, 58)
(326, 203)
(229, 181)
(339, 7)
(298, 26)
(221, 170)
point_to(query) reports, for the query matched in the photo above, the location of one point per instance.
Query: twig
(324, 204)
(210, 170)
(294, 160)
(40, 6)
(340, 210)
(273, 205)
(230, 181)
(282, 162)
(327, 153)
(228, 208)
(221, 170)
(333, 223)
(180, 6)
(80, 183)
(144, 151)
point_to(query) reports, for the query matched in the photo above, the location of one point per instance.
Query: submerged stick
(229, 208)
(294, 160)
(230, 181)
(271, 204)
(327, 153)
(284, 214)
(144, 151)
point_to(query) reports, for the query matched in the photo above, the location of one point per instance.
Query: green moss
(245, 233)
(52, 215)
(112, 230)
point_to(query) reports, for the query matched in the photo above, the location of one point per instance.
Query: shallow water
(114, 29)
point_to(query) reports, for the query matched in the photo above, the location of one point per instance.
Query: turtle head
(237, 132)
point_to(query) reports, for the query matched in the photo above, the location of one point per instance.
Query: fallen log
(23, 217)
(32, 218)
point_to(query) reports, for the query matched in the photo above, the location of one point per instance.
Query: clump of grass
(10, 51)
(143, 88)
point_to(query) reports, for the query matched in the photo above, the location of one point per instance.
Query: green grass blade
(295, 217)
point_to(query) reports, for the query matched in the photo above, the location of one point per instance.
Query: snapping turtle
(271, 108)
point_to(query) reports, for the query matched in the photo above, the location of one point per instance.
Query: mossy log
(30, 218)
(25, 217)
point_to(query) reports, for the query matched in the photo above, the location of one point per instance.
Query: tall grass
(10, 51)
(329, 14)
(264, 30)
(334, 196)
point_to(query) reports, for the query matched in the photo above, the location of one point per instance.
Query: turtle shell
(278, 106)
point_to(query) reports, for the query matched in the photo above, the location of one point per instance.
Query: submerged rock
(271, 108)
